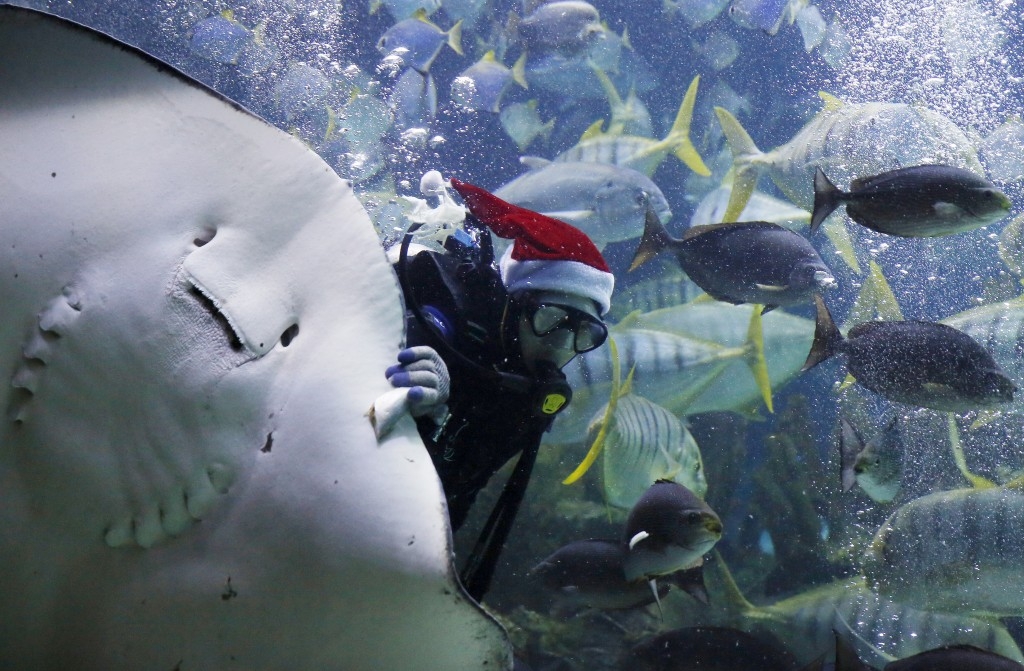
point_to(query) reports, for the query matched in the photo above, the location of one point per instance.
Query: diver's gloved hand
(422, 370)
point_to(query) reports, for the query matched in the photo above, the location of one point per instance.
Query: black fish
(920, 363)
(747, 262)
(959, 657)
(955, 658)
(920, 201)
(709, 649)
(590, 573)
(669, 529)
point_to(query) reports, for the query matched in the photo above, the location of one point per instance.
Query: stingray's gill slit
(52, 322)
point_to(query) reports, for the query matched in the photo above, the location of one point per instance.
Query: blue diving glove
(422, 370)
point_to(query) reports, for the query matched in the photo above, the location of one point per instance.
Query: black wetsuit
(490, 420)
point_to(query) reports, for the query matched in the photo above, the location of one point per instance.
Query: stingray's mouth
(219, 318)
(207, 326)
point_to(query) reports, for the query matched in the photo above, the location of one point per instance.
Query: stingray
(196, 316)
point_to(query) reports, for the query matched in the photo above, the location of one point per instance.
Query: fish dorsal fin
(519, 73)
(421, 15)
(832, 103)
(489, 57)
(595, 448)
(593, 131)
(624, 38)
(228, 14)
(534, 162)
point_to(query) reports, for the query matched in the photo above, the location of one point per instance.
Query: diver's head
(552, 327)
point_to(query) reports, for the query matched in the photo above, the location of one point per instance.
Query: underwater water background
(772, 478)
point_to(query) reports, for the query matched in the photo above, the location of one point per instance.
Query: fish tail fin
(755, 358)
(723, 592)
(850, 445)
(827, 198)
(455, 38)
(745, 173)
(654, 240)
(977, 481)
(679, 136)
(519, 71)
(827, 337)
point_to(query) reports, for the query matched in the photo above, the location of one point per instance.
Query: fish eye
(641, 198)
(693, 518)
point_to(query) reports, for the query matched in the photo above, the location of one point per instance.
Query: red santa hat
(547, 255)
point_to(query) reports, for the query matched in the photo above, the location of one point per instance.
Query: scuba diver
(485, 345)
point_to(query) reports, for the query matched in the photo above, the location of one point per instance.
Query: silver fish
(804, 623)
(639, 153)
(960, 551)
(645, 443)
(876, 466)
(689, 359)
(523, 124)
(417, 41)
(606, 202)
(563, 25)
(482, 86)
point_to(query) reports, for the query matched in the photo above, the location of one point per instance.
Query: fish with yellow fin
(642, 154)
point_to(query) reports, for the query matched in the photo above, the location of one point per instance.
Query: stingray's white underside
(196, 318)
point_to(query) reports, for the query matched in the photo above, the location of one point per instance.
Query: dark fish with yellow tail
(916, 202)
(746, 262)
(919, 363)
(669, 529)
